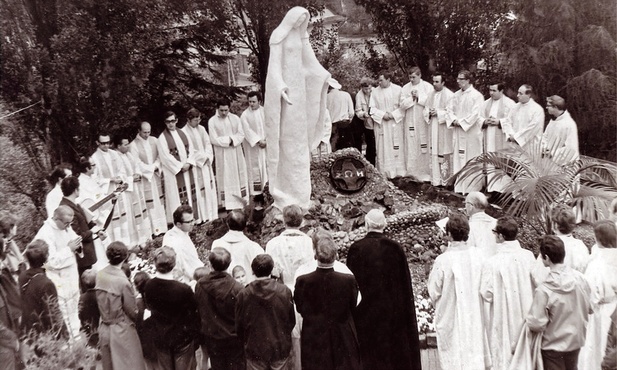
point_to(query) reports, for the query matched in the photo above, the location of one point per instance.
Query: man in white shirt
(341, 110)
(389, 130)
(178, 239)
(441, 137)
(226, 135)
(523, 126)
(241, 248)
(254, 143)
(464, 119)
(144, 149)
(207, 199)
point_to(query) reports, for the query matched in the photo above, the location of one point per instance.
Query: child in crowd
(89, 314)
(139, 281)
(239, 274)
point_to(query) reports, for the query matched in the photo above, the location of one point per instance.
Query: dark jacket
(40, 310)
(386, 317)
(89, 316)
(265, 317)
(326, 299)
(216, 296)
(174, 320)
(82, 228)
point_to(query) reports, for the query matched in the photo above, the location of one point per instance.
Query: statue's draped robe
(292, 131)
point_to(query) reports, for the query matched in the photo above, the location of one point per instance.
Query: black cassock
(386, 317)
(325, 299)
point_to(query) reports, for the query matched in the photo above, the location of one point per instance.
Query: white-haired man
(385, 318)
(481, 225)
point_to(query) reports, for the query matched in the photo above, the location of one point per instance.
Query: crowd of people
(243, 308)
(293, 305)
(498, 307)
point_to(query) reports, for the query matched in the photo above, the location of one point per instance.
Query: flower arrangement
(425, 313)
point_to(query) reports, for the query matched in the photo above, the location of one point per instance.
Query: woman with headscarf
(295, 107)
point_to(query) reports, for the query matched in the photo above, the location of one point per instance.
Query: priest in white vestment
(90, 192)
(144, 149)
(453, 286)
(61, 266)
(178, 239)
(577, 254)
(226, 135)
(493, 112)
(601, 273)
(388, 127)
(441, 136)
(254, 143)
(417, 133)
(481, 225)
(507, 287)
(560, 139)
(464, 118)
(109, 171)
(241, 248)
(140, 229)
(295, 108)
(524, 125)
(176, 157)
(292, 248)
(204, 157)
(53, 198)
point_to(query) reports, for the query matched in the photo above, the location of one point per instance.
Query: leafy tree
(567, 47)
(443, 34)
(254, 23)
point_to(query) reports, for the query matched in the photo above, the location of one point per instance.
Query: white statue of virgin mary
(295, 107)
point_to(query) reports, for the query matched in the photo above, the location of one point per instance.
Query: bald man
(61, 266)
(144, 149)
(481, 225)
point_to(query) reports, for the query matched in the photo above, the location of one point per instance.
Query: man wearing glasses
(177, 160)
(110, 173)
(61, 266)
(464, 119)
(187, 260)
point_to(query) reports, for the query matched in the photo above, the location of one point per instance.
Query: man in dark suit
(325, 299)
(87, 230)
(385, 318)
